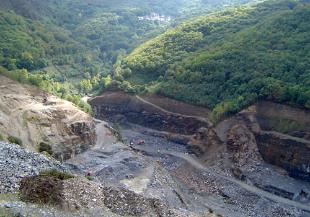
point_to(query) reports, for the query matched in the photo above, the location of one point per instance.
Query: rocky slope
(17, 163)
(119, 106)
(73, 196)
(265, 147)
(37, 118)
(274, 126)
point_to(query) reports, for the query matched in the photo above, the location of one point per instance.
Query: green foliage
(1, 137)
(49, 85)
(57, 174)
(78, 41)
(283, 125)
(6, 212)
(15, 140)
(44, 147)
(230, 59)
(90, 178)
(106, 81)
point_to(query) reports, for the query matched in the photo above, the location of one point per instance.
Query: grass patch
(57, 174)
(90, 178)
(283, 125)
(15, 140)
(4, 212)
(9, 197)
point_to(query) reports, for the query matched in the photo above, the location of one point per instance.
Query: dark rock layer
(120, 106)
(290, 153)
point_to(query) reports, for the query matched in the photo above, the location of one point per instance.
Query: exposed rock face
(242, 150)
(116, 106)
(280, 118)
(36, 117)
(242, 145)
(240, 138)
(204, 140)
(288, 152)
(282, 135)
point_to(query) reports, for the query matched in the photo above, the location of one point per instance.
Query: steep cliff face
(39, 119)
(118, 106)
(240, 142)
(290, 153)
(282, 135)
(242, 145)
(281, 118)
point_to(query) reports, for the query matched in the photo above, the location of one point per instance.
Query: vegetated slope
(230, 59)
(76, 43)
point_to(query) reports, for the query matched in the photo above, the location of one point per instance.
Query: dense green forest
(230, 59)
(225, 60)
(76, 45)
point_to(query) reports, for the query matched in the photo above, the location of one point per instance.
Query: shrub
(57, 174)
(15, 140)
(1, 137)
(41, 189)
(43, 147)
(90, 178)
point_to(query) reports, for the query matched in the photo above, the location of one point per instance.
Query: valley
(155, 108)
(236, 167)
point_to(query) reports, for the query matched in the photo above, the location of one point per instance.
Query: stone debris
(17, 163)
(79, 193)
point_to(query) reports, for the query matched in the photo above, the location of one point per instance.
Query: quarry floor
(169, 171)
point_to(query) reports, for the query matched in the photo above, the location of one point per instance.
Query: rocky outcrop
(118, 106)
(282, 135)
(290, 153)
(280, 118)
(242, 146)
(36, 117)
(204, 140)
(240, 138)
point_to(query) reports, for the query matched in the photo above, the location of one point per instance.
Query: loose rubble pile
(17, 163)
(47, 194)
(79, 193)
(125, 202)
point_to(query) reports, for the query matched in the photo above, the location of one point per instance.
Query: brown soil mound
(41, 189)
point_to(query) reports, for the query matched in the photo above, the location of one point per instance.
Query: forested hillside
(230, 59)
(70, 47)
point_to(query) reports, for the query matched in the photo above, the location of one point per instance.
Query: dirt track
(174, 113)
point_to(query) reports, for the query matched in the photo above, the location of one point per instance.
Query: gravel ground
(17, 162)
(206, 188)
(81, 193)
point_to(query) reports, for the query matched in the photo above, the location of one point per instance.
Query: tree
(85, 86)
